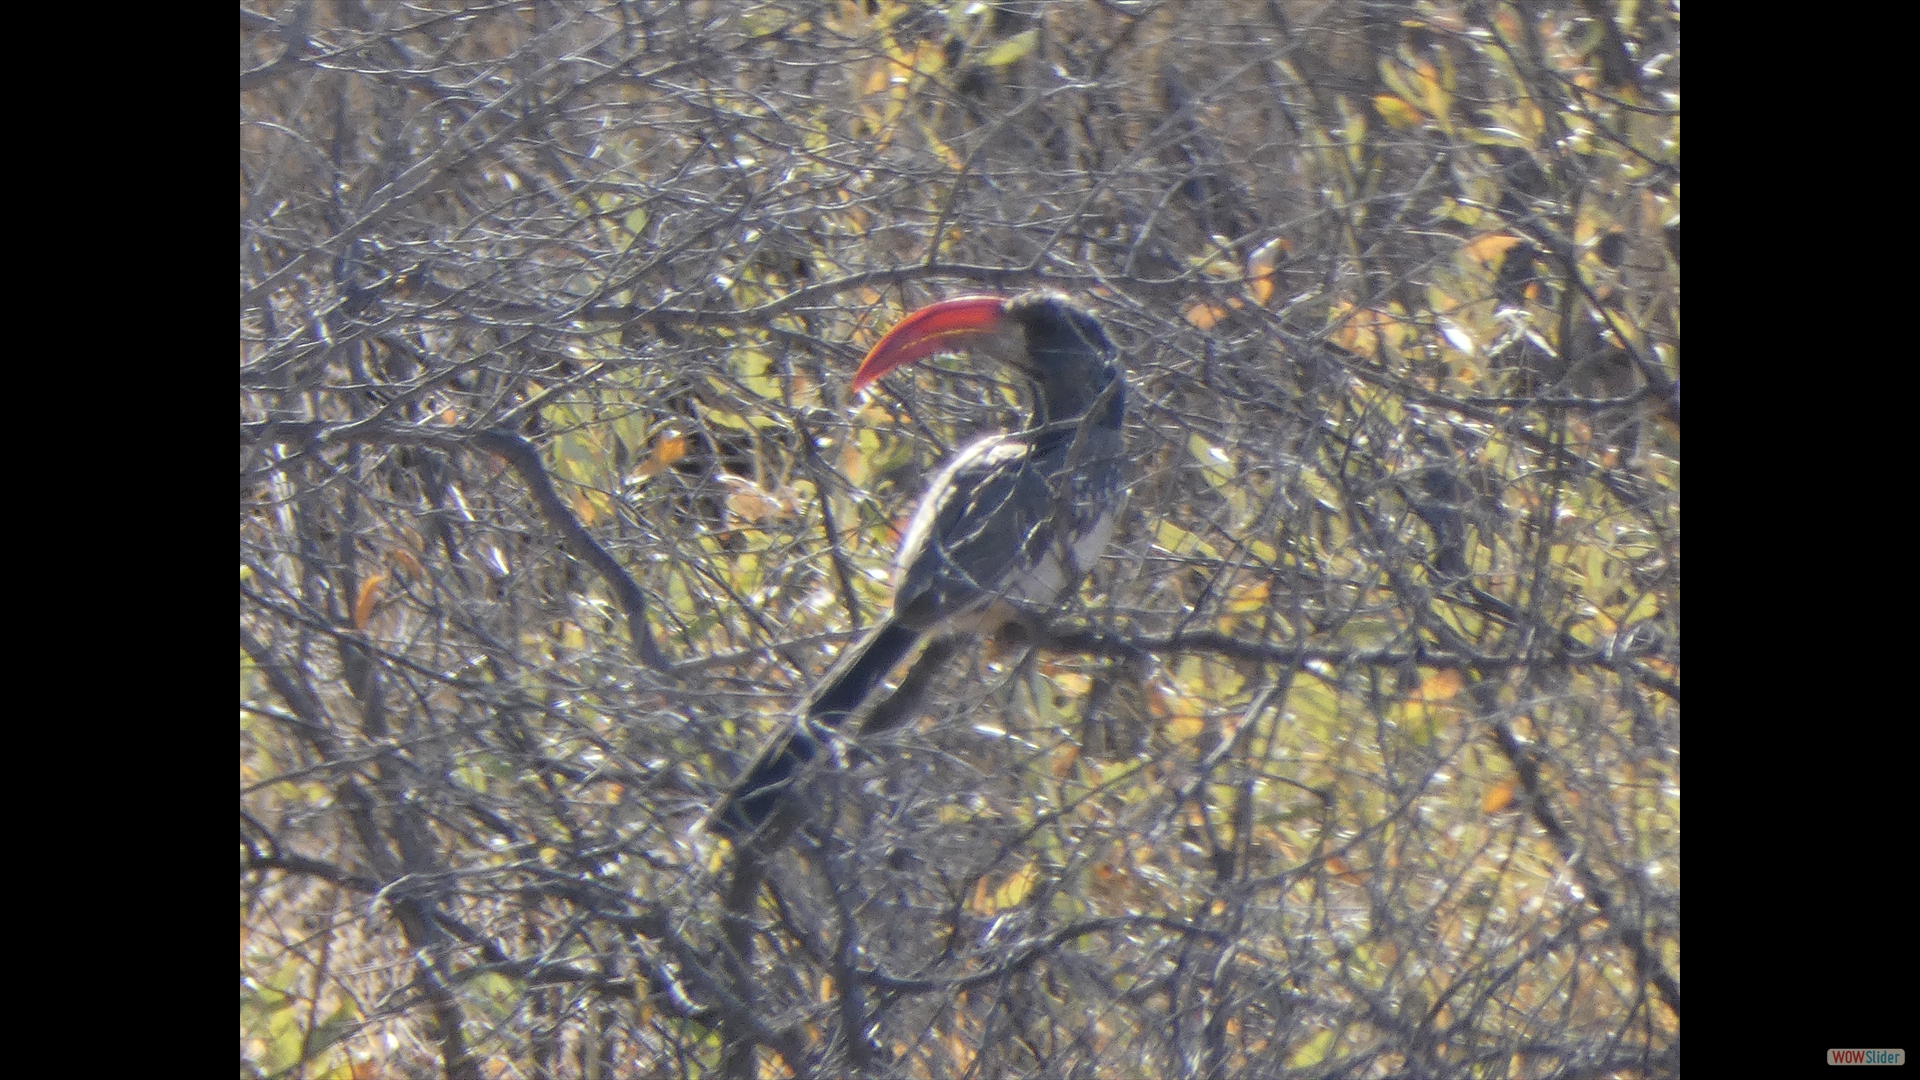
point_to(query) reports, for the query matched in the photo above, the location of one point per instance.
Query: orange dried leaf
(1159, 705)
(1260, 266)
(1070, 682)
(669, 450)
(1490, 247)
(1340, 868)
(408, 563)
(363, 603)
(1498, 797)
(1440, 686)
(1204, 316)
(1064, 759)
(752, 503)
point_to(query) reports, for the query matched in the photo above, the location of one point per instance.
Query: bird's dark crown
(1069, 357)
(1056, 327)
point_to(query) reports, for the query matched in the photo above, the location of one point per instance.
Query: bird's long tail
(856, 673)
(760, 792)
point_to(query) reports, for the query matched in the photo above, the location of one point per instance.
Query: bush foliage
(1358, 754)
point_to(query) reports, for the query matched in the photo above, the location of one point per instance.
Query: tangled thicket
(1358, 755)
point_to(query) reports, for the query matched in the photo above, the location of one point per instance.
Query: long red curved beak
(943, 327)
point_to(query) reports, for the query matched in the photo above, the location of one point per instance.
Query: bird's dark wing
(981, 547)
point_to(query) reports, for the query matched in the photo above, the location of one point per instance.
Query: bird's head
(1043, 335)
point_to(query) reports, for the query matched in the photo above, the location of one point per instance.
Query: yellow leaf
(1011, 893)
(733, 420)
(959, 1052)
(948, 157)
(1437, 102)
(1260, 266)
(1185, 728)
(1354, 328)
(1397, 113)
(1011, 49)
(1440, 686)
(1213, 461)
(754, 368)
(1173, 539)
(1017, 888)
(1490, 247)
(1071, 682)
(1249, 597)
(1314, 1050)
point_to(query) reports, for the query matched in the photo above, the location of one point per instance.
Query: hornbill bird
(1005, 532)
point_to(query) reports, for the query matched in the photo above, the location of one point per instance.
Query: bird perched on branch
(1004, 533)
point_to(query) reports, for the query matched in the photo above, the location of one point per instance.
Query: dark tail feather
(856, 674)
(763, 789)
